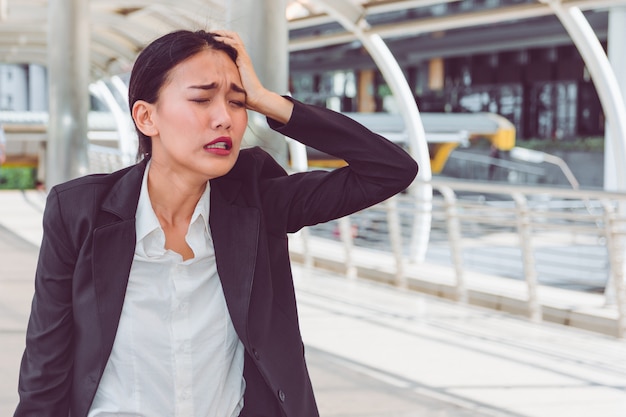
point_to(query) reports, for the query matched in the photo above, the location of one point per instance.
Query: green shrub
(17, 177)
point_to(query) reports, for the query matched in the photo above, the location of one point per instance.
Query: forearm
(342, 137)
(377, 169)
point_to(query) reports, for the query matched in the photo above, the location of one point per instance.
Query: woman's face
(200, 117)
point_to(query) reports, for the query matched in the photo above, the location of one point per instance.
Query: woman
(165, 288)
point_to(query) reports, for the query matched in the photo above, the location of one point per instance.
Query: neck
(173, 198)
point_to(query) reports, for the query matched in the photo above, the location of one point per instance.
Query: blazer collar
(124, 195)
(113, 250)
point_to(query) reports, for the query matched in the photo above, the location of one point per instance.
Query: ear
(142, 115)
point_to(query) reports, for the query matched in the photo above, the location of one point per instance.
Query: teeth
(219, 145)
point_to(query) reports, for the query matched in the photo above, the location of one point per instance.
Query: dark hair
(154, 63)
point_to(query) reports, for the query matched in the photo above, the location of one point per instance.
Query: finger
(227, 35)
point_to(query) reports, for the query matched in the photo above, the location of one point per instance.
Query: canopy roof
(119, 28)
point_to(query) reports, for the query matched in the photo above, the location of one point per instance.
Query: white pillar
(263, 28)
(68, 71)
(617, 58)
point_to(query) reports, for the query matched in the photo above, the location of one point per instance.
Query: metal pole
(68, 68)
(528, 259)
(614, 232)
(346, 235)
(569, 175)
(617, 59)
(305, 236)
(395, 238)
(453, 223)
(263, 28)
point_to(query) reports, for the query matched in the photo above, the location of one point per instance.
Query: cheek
(242, 123)
(176, 117)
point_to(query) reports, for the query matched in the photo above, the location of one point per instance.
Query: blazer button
(281, 395)
(256, 354)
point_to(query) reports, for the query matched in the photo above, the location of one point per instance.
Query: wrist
(274, 106)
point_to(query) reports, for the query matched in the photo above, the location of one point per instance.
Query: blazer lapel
(235, 231)
(113, 251)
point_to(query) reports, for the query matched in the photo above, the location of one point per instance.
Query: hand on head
(251, 83)
(258, 98)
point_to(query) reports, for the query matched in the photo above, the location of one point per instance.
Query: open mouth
(224, 144)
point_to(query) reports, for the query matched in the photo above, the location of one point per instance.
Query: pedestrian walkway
(378, 351)
(485, 362)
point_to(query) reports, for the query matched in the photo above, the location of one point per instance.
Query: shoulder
(100, 182)
(117, 192)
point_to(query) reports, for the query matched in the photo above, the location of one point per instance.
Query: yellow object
(439, 153)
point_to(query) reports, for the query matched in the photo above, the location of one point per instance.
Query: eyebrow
(213, 86)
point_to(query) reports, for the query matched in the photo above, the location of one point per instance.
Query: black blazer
(89, 241)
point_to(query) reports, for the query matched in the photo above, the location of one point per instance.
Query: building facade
(23, 87)
(527, 70)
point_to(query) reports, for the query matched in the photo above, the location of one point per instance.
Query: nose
(221, 118)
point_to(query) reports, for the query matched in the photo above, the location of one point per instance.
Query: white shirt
(176, 352)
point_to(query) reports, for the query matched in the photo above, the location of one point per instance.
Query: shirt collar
(203, 207)
(146, 220)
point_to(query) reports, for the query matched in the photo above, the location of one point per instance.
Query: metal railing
(544, 237)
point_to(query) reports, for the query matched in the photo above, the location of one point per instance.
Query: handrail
(542, 236)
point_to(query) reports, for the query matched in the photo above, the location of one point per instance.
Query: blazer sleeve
(46, 368)
(377, 169)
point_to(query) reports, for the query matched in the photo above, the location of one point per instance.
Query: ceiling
(119, 28)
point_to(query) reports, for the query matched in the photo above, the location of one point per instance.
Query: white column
(263, 28)
(68, 70)
(617, 58)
